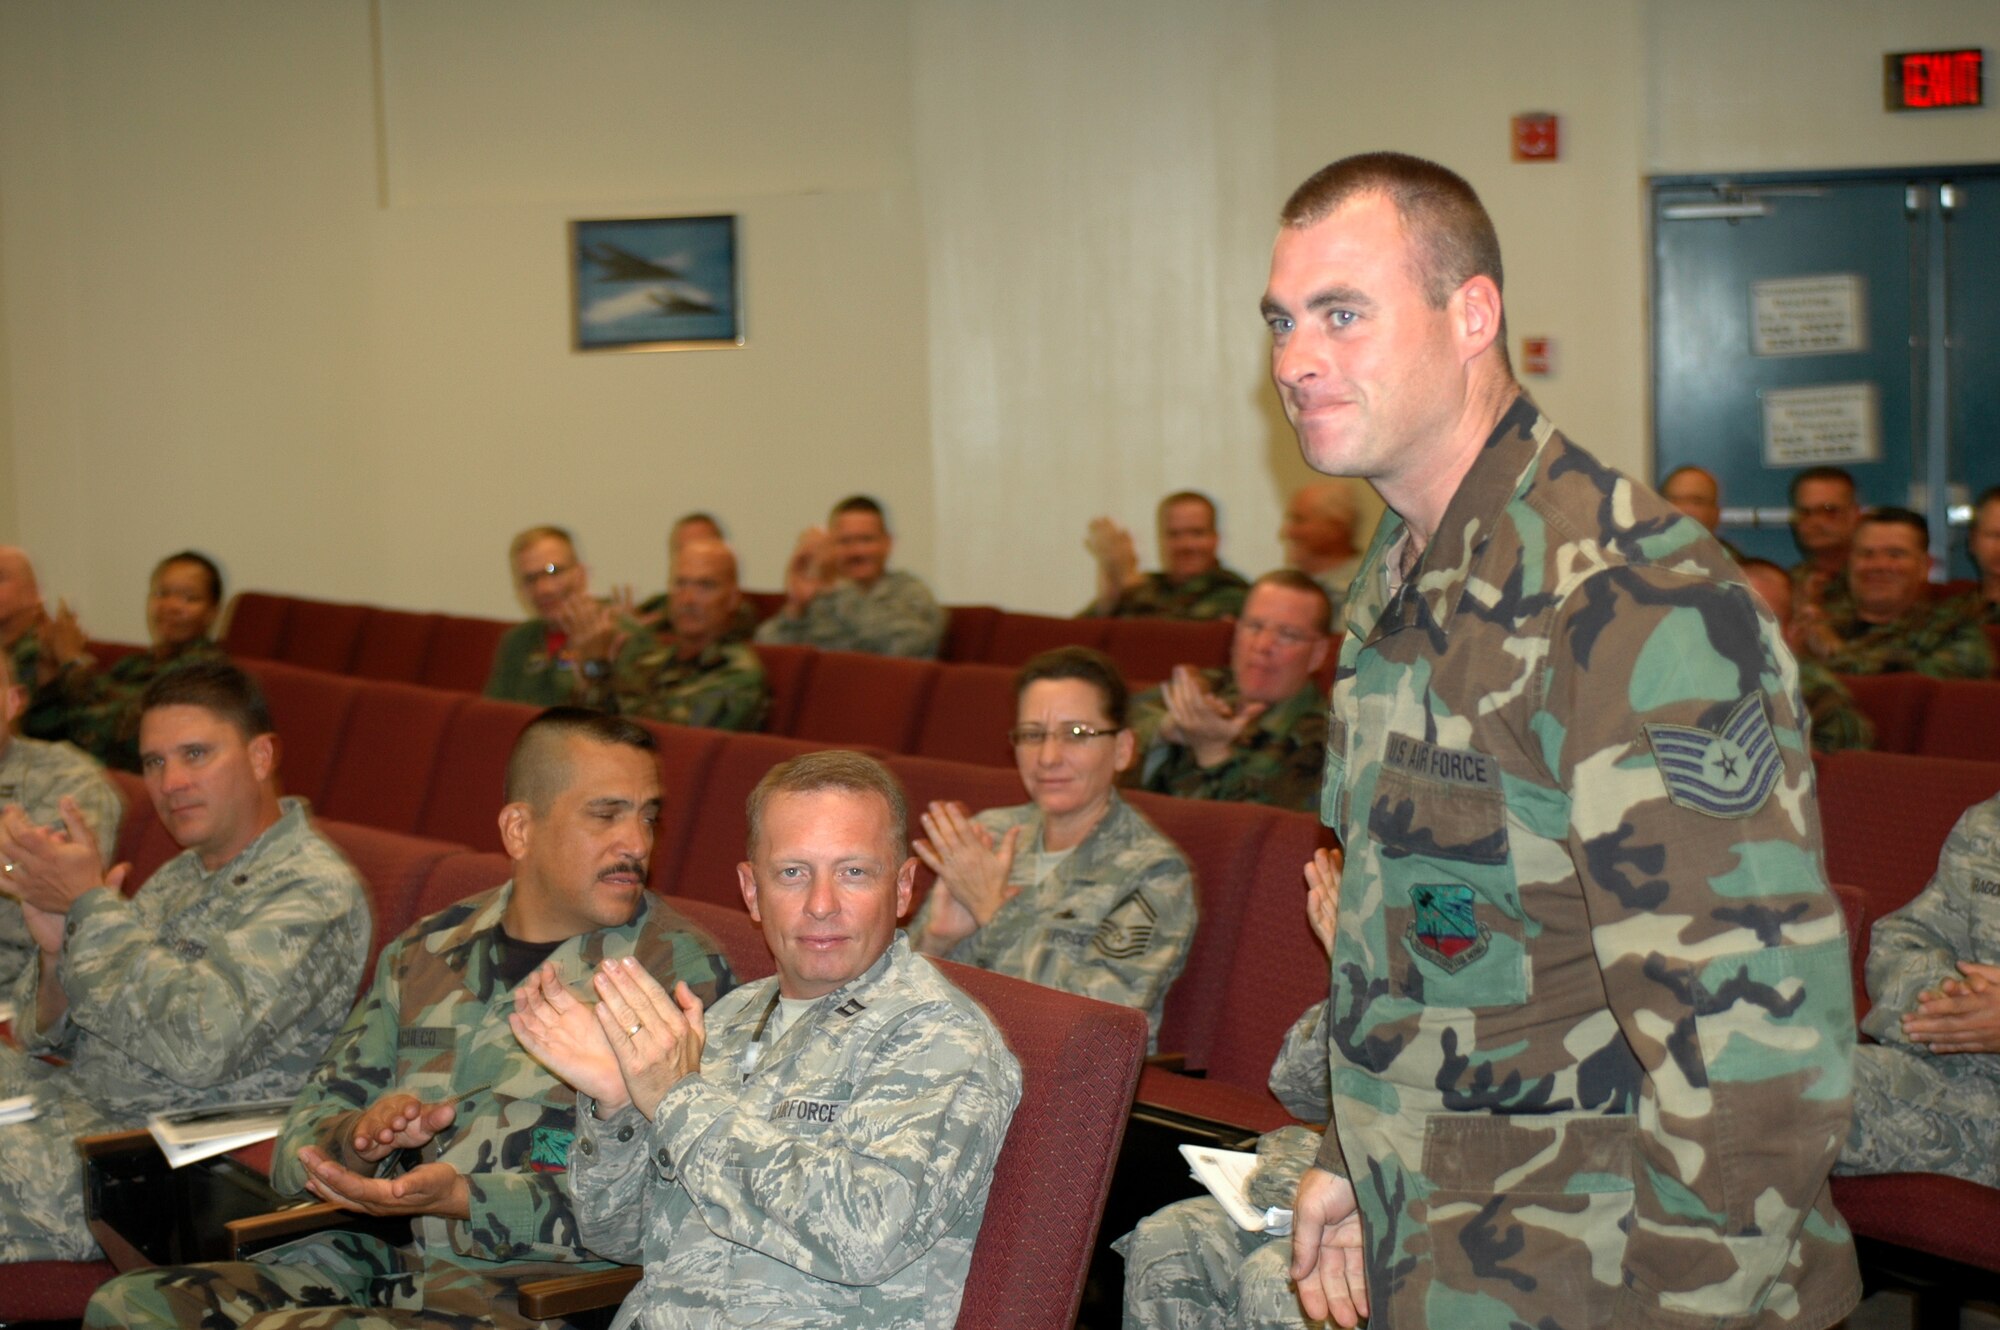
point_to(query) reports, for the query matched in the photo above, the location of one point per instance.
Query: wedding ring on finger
(633, 1032)
(11, 867)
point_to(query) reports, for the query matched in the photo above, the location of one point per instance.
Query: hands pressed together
(1200, 720)
(48, 869)
(631, 1046)
(972, 870)
(393, 1122)
(810, 570)
(1959, 1015)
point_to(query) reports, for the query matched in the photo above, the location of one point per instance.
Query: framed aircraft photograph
(655, 284)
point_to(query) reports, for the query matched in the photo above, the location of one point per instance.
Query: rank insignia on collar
(1723, 773)
(1444, 931)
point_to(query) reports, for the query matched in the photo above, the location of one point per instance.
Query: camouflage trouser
(1189, 1267)
(41, 1175)
(262, 1297)
(1915, 1113)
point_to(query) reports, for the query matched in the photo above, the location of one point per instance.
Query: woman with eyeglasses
(1074, 890)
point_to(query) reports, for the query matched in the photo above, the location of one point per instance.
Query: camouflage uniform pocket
(1452, 911)
(1526, 1213)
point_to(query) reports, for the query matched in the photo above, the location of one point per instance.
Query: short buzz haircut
(1813, 473)
(1751, 563)
(1086, 665)
(832, 769)
(706, 518)
(216, 686)
(537, 768)
(199, 560)
(1991, 494)
(1293, 580)
(535, 533)
(1889, 515)
(1450, 232)
(860, 503)
(1187, 496)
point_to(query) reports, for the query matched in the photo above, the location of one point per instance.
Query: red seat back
(971, 709)
(967, 630)
(323, 635)
(1962, 720)
(393, 736)
(786, 670)
(1885, 817)
(255, 626)
(1148, 649)
(706, 867)
(471, 772)
(739, 938)
(1895, 703)
(1016, 637)
(457, 876)
(1079, 1062)
(687, 758)
(310, 710)
(853, 699)
(394, 868)
(394, 645)
(461, 653)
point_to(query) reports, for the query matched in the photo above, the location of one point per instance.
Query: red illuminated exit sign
(1933, 80)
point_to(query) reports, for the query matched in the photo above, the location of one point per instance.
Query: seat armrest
(257, 1233)
(109, 1144)
(1176, 1062)
(567, 1295)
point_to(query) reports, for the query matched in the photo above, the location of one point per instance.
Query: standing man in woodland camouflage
(687, 672)
(1927, 1094)
(1256, 732)
(815, 1150)
(219, 982)
(1590, 1018)
(35, 778)
(426, 1106)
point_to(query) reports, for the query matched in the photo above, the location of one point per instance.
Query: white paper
(1809, 316)
(192, 1134)
(1226, 1174)
(21, 1108)
(1829, 422)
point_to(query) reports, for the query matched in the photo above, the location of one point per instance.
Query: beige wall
(287, 281)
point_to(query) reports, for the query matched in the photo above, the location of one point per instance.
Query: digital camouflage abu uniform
(840, 1183)
(1113, 920)
(528, 667)
(204, 988)
(1218, 593)
(1939, 638)
(1916, 1111)
(434, 1024)
(720, 687)
(36, 776)
(1189, 1267)
(1591, 1016)
(897, 616)
(98, 710)
(1276, 762)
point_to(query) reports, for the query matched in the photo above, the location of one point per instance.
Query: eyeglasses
(1070, 736)
(1285, 633)
(1803, 510)
(546, 571)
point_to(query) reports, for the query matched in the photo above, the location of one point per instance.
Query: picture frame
(655, 283)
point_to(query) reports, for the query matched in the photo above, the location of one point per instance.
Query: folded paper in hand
(1226, 1174)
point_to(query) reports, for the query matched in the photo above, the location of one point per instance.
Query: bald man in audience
(36, 777)
(1255, 732)
(1318, 534)
(686, 530)
(1698, 494)
(1192, 582)
(1837, 722)
(685, 671)
(21, 614)
(840, 594)
(532, 664)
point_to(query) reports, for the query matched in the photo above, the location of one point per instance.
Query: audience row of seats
(428, 763)
(1914, 713)
(448, 651)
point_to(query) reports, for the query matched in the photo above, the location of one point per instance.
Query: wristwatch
(597, 671)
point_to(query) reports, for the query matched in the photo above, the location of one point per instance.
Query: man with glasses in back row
(1255, 732)
(1825, 511)
(532, 664)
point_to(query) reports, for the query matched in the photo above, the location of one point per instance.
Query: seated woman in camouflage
(98, 709)
(1075, 890)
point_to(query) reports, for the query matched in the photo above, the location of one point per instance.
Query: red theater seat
(1895, 703)
(471, 772)
(310, 710)
(394, 867)
(1885, 817)
(971, 709)
(382, 774)
(1019, 636)
(706, 866)
(461, 653)
(457, 876)
(256, 625)
(1148, 649)
(323, 635)
(967, 630)
(687, 757)
(1962, 720)
(872, 701)
(786, 671)
(394, 644)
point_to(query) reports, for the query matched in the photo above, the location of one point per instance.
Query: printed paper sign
(1831, 422)
(1808, 316)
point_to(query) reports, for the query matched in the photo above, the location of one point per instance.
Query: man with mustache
(426, 1106)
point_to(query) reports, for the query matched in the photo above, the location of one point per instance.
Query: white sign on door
(1831, 422)
(1809, 316)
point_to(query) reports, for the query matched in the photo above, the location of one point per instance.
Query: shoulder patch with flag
(1725, 773)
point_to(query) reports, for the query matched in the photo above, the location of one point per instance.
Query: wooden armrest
(567, 1295)
(254, 1234)
(1170, 1062)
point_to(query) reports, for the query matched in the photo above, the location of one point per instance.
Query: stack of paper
(197, 1133)
(1226, 1174)
(21, 1108)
